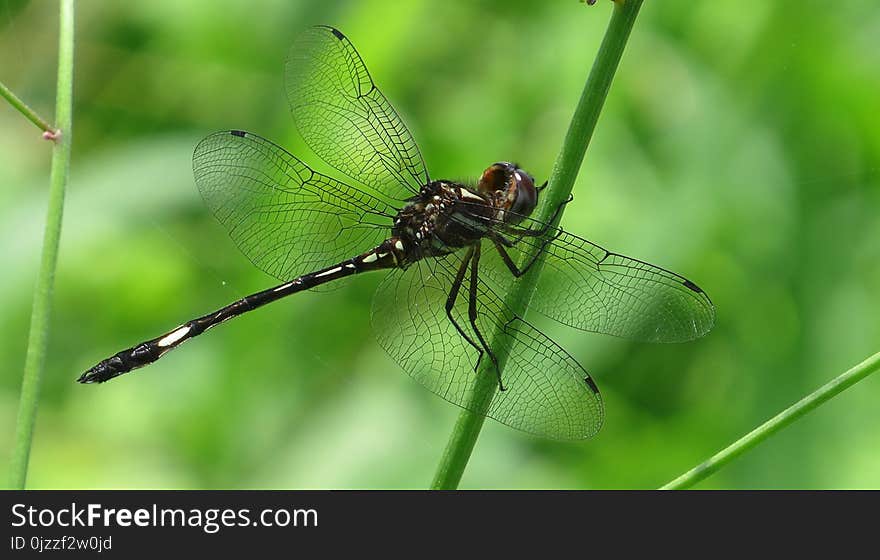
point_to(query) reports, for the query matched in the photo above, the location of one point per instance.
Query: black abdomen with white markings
(145, 353)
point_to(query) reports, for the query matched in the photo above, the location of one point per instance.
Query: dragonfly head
(511, 187)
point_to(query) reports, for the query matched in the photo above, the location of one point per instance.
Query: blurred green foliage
(740, 147)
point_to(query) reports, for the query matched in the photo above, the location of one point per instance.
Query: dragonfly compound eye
(524, 192)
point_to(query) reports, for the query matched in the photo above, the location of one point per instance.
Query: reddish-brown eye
(494, 178)
(526, 193)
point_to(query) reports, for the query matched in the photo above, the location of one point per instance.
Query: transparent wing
(548, 393)
(344, 117)
(587, 287)
(287, 219)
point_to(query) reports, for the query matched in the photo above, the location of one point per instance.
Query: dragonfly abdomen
(387, 255)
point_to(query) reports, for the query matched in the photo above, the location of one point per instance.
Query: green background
(740, 146)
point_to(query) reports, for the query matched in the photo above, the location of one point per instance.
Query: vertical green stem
(38, 337)
(778, 422)
(470, 421)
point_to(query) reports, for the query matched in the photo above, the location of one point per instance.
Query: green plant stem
(39, 330)
(467, 428)
(25, 110)
(778, 422)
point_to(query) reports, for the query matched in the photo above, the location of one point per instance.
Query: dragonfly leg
(472, 312)
(450, 303)
(500, 244)
(498, 238)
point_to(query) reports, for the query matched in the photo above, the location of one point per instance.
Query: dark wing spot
(338, 33)
(591, 384)
(239, 133)
(690, 285)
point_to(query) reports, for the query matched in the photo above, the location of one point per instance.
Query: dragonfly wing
(547, 392)
(587, 287)
(344, 117)
(285, 217)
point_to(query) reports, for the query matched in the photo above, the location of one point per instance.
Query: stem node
(51, 135)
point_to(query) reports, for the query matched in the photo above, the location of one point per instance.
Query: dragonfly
(451, 251)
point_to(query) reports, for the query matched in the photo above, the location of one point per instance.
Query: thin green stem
(778, 422)
(467, 428)
(25, 110)
(38, 337)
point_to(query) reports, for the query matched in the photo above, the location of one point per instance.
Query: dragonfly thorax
(445, 216)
